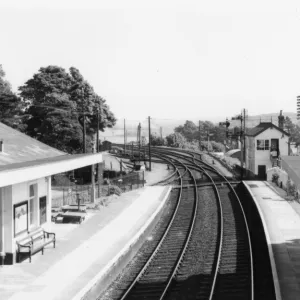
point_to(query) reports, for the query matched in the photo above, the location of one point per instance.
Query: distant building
(26, 166)
(265, 144)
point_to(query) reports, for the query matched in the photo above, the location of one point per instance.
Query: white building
(265, 144)
(26, 166)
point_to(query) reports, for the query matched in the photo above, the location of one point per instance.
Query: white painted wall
(18, 193)
(262, 157)
(8, 218)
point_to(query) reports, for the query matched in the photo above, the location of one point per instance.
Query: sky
(173, 59)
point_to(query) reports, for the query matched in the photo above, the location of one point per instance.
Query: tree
(176, 140)
(188, 130)
(293, 130)
(11, 106)
(157, 140)
(57, 101)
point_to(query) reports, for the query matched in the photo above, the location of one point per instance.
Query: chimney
(280, 120)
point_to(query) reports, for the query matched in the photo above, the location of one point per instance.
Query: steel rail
(186, 242)
(157, 247)
(222, 224)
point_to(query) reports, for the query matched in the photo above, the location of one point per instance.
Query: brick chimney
(280, 120)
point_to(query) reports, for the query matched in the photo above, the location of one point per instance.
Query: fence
(129, 182)
(66, 195)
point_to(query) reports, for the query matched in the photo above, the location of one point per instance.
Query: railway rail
(225, 269)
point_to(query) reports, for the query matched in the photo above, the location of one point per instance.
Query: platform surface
(82, 251)
(282, 223)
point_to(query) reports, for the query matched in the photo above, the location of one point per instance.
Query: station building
(265, 144)
(26, 167)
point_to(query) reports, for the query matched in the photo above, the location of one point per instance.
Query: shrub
(275, 178)
(290, 188)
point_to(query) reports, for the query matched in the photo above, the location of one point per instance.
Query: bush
(290, 188)
(275, 178)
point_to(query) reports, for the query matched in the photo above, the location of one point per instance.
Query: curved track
(192, 258)
(233, 264)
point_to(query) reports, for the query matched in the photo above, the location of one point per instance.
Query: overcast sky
(165, 59)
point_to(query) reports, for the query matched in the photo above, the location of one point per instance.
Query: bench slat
(35, 242)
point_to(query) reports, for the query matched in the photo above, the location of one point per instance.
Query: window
(263, 145)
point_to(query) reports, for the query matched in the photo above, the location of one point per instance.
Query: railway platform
(87, 256)
(281, 222)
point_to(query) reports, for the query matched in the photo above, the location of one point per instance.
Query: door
(275, 146)
(262, 172)
(43, 210)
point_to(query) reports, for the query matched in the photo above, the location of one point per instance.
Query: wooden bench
(35, 242)
(77, 217)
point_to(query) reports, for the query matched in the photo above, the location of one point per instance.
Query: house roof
(19, 147)
(262, 127)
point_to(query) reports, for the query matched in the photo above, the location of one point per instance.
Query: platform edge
(270, 249)
(83, 294)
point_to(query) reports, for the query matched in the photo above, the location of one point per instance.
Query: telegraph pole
(240, 117)
(139, 134)
(244, 133)
(98, 125)
(149, 125)
(199, 137)
(84, 130)
(124, 137)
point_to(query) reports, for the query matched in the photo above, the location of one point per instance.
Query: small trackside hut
(26, 167)
(265, 145)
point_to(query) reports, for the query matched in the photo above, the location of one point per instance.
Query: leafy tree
(188, 130)
(57, 101)
(176, 140)
(293, 130)
(157, 140)
(11, 106)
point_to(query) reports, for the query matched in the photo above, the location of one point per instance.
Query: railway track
(205, 252)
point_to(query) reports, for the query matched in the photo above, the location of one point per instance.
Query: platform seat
(35, 242)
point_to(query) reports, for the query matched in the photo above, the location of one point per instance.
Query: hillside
(116, 134)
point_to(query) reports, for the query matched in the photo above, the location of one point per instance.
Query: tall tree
(58, 100)
(293, 130)
(11, 106)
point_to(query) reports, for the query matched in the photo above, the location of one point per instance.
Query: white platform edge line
(270, 249)
(85, 290)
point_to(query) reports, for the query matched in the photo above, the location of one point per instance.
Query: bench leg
(30, 257)
(42, 251)
(54, 244)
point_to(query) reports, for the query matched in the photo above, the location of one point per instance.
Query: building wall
(16, 194)
(6, 195)
(262, 157)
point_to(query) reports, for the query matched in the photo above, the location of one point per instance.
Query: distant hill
(252, 121)
(116, 134)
